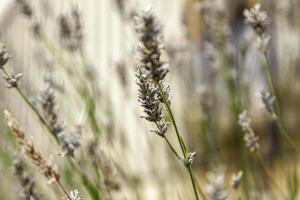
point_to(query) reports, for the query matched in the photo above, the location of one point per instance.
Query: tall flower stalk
(154, 95)
(258, 20)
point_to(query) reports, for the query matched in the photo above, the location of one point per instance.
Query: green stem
(172, 148)
(179, 138)
(169, 144)
(278, 119)
(33, 108)
(181, 142)
(193, 182)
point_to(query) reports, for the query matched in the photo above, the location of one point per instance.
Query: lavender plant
(259, 22)
(154, 95)
(52, 124)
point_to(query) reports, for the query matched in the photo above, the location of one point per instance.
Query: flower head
(216, 185)
(149, 97)
(71, 31)
(236, 180)
(257, 18)
(250, 138)
(151, 71)
(4, 55)
(150, 46)
(74, 195)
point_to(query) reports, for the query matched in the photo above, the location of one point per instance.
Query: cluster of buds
(150, 46)
(257, 19)
(216, 184)
(151, 70)
(74, 195)
(250, 138)
(11, 79)
(69, 141)
(4, 55)
(259, 22)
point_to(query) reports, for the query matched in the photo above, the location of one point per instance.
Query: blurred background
(93, 78)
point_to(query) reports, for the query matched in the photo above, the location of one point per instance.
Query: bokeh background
(194, 34)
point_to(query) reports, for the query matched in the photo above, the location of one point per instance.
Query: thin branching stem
(179, 138)
(33, 108)
(182, 145)
(169, 144)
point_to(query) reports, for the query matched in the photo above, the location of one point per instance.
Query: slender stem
(172, 148)
(169, 144)
(179, 138)
(63, 189)
(278, 119)
(182, 144)
(193, 182)
(33, 108)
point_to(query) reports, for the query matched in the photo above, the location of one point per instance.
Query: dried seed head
(236, 180)
(46, 167)
(4, 55)
(250, 138)
(257, 18)
(150, 46)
